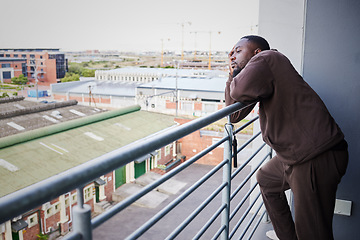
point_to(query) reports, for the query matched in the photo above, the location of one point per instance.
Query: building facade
(11, 67)
(48, 66)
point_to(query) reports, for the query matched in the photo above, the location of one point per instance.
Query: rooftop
(49, 152)
(215, 84)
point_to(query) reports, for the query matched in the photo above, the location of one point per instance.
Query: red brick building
(48, 65)
(11, 67)
(197, 141)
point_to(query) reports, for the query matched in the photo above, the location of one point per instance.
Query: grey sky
(125, 25)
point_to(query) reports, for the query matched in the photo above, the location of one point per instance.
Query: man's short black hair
(259, 41)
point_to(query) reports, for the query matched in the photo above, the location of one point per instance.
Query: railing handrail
(19, 202)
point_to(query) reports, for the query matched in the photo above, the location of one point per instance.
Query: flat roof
(165, 71)
(107, 88)
(215, 84)
(29, 49)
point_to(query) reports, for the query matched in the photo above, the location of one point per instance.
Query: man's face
(241, 54)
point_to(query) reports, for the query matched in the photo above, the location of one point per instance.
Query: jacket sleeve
(239, 115)
(253, 83)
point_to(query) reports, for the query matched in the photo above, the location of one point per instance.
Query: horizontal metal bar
(175, 202)
(73, 236)
(247, 161)
(217, 234)
(250, 221)
(243, 200)
(17, 203)
(237, 171)
(243, 217)
(248, 177)
(196, 212)
(97, 221)
(246, 125)
(248, 142)
(256, 225)
(209, 222)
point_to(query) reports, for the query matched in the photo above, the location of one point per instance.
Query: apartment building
(11, 67)
(47, 65)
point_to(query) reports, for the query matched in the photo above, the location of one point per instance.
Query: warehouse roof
(163, 71)
(215, 84)
(34, 117)
(28, 162)
(108, 88)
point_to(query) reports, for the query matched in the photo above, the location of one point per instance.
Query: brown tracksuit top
(294, 120)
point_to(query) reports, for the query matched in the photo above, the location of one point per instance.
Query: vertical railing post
(227, 178)
(266, 217)
(82, 217)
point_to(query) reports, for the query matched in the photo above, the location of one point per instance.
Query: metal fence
(233, 223)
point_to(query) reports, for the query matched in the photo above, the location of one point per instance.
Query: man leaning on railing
(311, 153)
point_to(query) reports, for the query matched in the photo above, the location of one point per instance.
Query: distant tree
(88, 72)
(70, 77)
(75, 68)
(4, 95)
(21, 80)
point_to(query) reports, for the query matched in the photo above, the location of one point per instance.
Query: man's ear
(257, 51)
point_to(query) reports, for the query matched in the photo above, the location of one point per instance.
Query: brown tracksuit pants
(314, 184)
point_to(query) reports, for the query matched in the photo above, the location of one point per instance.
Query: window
(24, 69)
(23, 55)
(74, 198)
(49, 212)
(88, 193)
(56, 207)
(158, 154)
(40, 57)
(32, 220)
(1, 55)
(16, 55)
(167, 150)
(6, 75)
(66, 202)
(7, 55)
(5, 65)
(32, 55)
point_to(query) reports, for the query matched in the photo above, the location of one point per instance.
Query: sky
(127, 25)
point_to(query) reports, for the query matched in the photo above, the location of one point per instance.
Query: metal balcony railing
(232, 220)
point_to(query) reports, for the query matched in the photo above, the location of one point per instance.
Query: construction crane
(182, 39)
(162, 52)
(210, 32)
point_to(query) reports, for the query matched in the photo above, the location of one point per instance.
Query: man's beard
(236, 71)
